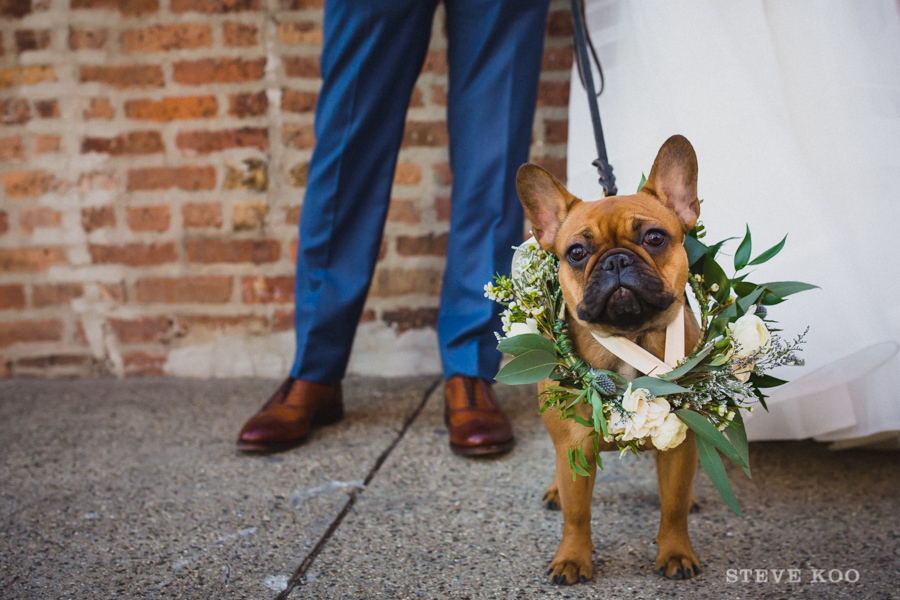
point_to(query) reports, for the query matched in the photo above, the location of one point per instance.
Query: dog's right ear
(546, 202)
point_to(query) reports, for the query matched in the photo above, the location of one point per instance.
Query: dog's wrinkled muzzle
(622, 291)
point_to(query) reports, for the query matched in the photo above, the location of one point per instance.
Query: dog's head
(622, 265)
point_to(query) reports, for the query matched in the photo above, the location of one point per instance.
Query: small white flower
(615, 423)
(522, 258)
(714, 288)
(669, 434)
(529, 326)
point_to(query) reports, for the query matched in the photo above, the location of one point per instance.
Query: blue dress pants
(373, 53)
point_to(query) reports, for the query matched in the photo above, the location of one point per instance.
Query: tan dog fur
(668, 201)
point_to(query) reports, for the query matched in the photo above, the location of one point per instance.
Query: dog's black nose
(617, 262)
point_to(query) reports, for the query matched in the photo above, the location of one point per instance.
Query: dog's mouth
(623, 293)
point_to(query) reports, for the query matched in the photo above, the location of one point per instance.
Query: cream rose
(743, 374)
(648, 413)
(669, 434)
(750, 335)
(529, 326)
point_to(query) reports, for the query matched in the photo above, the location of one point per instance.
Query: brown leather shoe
(286, 418)
(477, 425)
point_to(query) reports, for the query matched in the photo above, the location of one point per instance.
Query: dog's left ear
(546, 202)
(673, 180)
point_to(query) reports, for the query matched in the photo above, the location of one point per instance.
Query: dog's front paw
(570, 570)
(676, 561)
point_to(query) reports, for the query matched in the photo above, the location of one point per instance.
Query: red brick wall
(153, 155)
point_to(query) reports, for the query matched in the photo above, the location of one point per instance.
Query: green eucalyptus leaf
(765, 381)
(595, 437)
(641, 184)
(658, 387)
(714, 274)
(714, 249)
(743, 288)
(723, 318)
(770, 299)
(782, 289)
(749, 300)
(719, 360)
(691, 362)
(716, 328)
(742, 255)
(530, 367)
(582, 421)
(599, 417)
(575, 468)
(582, 458)
(695, 249)
(712, 464)
(576, 398)
(707, 430)
(520, 344)
(737, 433)
(771, 252)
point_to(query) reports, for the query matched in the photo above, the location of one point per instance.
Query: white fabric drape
(794, 111)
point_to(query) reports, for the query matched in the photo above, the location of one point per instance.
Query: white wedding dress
(794, 111)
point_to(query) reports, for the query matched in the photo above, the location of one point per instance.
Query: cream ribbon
(642, 360)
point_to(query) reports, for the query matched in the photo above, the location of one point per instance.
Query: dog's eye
(655, 238)
(577, 254)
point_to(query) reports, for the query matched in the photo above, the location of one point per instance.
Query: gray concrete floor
(133, 489)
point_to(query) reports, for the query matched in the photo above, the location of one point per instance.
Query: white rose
(648, 413)
(657, 410)
(750, 335)
(529, 326)
(669, 434)
(632, 398)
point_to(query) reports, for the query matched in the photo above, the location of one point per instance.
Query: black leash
(607, 179)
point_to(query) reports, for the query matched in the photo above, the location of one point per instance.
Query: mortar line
(299, 576)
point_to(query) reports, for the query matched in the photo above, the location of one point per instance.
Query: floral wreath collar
(705, 391)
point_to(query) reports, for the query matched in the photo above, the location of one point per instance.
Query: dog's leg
(572, 563)
(551, 496)
(675, 470)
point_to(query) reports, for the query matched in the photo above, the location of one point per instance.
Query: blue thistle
(606, 385)
(761, 311)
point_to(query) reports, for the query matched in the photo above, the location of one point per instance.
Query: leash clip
(607, 179)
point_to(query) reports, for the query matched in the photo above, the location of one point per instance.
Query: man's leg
(372, 56)
(494, 55)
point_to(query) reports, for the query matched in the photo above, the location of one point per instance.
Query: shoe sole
(322, 418)
(482, 450)
(254, 448)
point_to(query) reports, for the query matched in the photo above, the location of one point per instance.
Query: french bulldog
(622, 271)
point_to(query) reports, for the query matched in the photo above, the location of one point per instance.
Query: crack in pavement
(299, 576)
